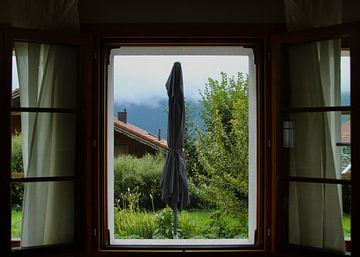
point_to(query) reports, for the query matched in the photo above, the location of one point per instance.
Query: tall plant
(222, 144)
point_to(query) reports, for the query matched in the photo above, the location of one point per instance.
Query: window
(136, 147)
(43, 164)
(314, 170)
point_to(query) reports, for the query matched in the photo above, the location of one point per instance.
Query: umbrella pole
(175, 223)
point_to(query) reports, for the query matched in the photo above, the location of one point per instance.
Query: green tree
(222, 144)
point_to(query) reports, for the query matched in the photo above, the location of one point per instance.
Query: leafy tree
(222, 144)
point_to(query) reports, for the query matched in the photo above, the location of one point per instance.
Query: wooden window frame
(351, 31)
(8, 35)
(106, 43)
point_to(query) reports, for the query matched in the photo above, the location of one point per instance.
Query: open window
(44, 171)
(222, 147)
(314, 101)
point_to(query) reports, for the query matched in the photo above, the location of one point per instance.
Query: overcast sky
(141, 79)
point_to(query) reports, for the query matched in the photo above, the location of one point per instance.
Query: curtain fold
(48, 77)
(46, 74)
(315, 210)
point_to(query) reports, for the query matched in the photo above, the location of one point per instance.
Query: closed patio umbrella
(173, 181)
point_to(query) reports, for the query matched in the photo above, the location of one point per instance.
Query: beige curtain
(315, 210)
(48, 77)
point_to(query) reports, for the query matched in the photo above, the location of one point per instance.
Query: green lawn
(191, 224)
(199, 222)
(347, 225)
(16, 217)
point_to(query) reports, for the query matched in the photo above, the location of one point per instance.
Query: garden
(216, 156)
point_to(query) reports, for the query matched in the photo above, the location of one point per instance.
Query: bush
(139, 175)
(221, 227)
(17, 170)
(165, 224)
(16, 154)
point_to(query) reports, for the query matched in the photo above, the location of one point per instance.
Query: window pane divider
(316, 180)
(40, 109)
(46, 179)
(343, 109)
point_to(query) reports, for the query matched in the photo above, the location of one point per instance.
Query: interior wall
(181, 11)
(186, 11)
(190, 11)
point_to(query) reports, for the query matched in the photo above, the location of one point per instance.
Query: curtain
(315, 210)
(48, 77)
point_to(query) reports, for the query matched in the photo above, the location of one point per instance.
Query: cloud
(141, 79)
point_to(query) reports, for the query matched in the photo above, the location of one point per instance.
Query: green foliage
(17, 170)
(138, 177)
(16, 154)
(165, 223)
(129, 201)
(222, 145)
(347, 225)
(186, 229)
(191, 224)
(16, 221)
(134, 225)
(220, 226)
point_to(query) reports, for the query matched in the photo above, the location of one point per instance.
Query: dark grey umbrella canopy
(173, 181)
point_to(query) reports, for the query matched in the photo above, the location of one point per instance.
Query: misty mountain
(152, 119)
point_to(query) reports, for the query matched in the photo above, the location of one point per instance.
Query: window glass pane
(43, 144)
(43, 213)
(318, 144)
(219, 146)
(319, 215)
(45, 75)
(319, 74)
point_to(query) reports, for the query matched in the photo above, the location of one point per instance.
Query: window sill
(182, 242)
(15, 243)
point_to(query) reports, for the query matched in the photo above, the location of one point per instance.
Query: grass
(347, 225)
(16, 220)
(198, 219)
(191, 224)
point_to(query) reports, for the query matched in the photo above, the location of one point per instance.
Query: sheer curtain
(315, 210)
(48, 77)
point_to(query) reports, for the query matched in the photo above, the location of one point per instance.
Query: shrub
(17, 170)
(16, 154)
(165, 224)
(220, 226)
(139, 175)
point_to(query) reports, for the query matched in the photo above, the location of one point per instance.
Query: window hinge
(269, 232)
(269, 143)
(95, 55)
(94, 143)
(268, 55)
(95, 232)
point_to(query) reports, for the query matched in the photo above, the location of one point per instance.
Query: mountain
(152, 119)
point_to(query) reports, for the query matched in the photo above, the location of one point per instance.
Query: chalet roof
(127, 129)
(140, 135)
